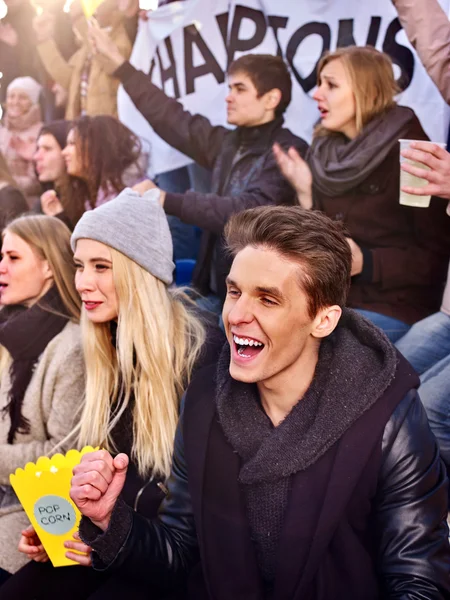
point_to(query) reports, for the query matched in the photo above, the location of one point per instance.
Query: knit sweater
(51, 403)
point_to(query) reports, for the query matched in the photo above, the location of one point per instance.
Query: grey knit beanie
(134, 225)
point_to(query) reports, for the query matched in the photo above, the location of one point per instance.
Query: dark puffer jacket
(244, 171)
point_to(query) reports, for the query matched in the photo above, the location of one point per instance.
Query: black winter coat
(251, 180)
(365, 521)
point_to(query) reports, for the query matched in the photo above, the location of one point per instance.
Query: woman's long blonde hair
(371, 78)
(49, 238)
(158, 343)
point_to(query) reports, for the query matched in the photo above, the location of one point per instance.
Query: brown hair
(50, 239)
(310, 238)
(5, 175)
(371, 78)
(107, 149)
(266, 72)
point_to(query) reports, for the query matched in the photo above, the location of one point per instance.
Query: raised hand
(438, 176)
(24, 148)
(297, 172)
(8, 34)
(30, 544)
(44, 26)
(96, 485)
(103, 45)
(51, 204)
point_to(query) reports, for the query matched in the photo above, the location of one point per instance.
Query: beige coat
(51, 405)
(102, 89)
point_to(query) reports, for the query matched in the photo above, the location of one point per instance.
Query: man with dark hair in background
(304, 466)
(244, 172)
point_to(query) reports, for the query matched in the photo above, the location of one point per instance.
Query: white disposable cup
(406, 179)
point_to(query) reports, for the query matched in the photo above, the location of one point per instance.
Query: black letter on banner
(152, 68)
(277, 23)
(401, 56)
(222, 22)
(171, 71)
(374, 30)
(238, 45)
(321, 29)
(192, 36)
(345, 32)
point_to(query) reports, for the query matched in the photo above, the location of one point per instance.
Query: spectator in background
(20, 127)
(91, 90)
(60, 195)
(244, 172)
(42, 371)
(400, 253)
(427, 344)
(102, 157)
(12, 201)
(18, 45)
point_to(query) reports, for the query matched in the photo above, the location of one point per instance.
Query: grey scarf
(356, 365)
(338, 165)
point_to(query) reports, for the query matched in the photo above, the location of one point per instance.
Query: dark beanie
(59, 130)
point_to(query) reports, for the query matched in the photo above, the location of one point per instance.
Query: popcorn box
(43, 490)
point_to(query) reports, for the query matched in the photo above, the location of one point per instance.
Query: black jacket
(242, 181)
(365, 521)
(12, 205)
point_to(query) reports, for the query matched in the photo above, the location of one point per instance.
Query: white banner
(186, 47)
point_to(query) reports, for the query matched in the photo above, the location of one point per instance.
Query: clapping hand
(103, 46)
(297, 172)
(24, 148)
(8, 34)
(50, 203)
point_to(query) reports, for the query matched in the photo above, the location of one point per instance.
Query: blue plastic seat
(184, 268)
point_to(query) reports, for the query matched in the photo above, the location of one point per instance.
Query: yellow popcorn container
(43, 490)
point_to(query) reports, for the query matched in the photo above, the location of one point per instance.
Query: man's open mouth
(247, 347)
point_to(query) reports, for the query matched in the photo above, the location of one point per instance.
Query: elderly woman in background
(22, 122)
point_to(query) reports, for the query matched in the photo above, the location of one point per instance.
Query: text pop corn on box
(43, 490)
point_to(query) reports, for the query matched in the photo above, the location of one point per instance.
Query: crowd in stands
(281, 427)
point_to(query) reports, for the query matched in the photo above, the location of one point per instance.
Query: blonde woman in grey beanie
(142, 342)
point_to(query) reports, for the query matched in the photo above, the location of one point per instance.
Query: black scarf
(333, 402)
(25, 333)
(338, 164)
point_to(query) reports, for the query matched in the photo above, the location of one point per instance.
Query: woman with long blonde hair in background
(42, 368)
(142, 343)
(352, 173)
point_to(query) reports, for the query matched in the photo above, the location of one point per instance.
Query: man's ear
(273, 98)
(325, 321)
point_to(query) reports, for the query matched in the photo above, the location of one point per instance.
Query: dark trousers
(42, 581)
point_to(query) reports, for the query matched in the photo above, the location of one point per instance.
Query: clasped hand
(96, 484)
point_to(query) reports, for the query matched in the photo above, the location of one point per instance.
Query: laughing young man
(304, 466)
